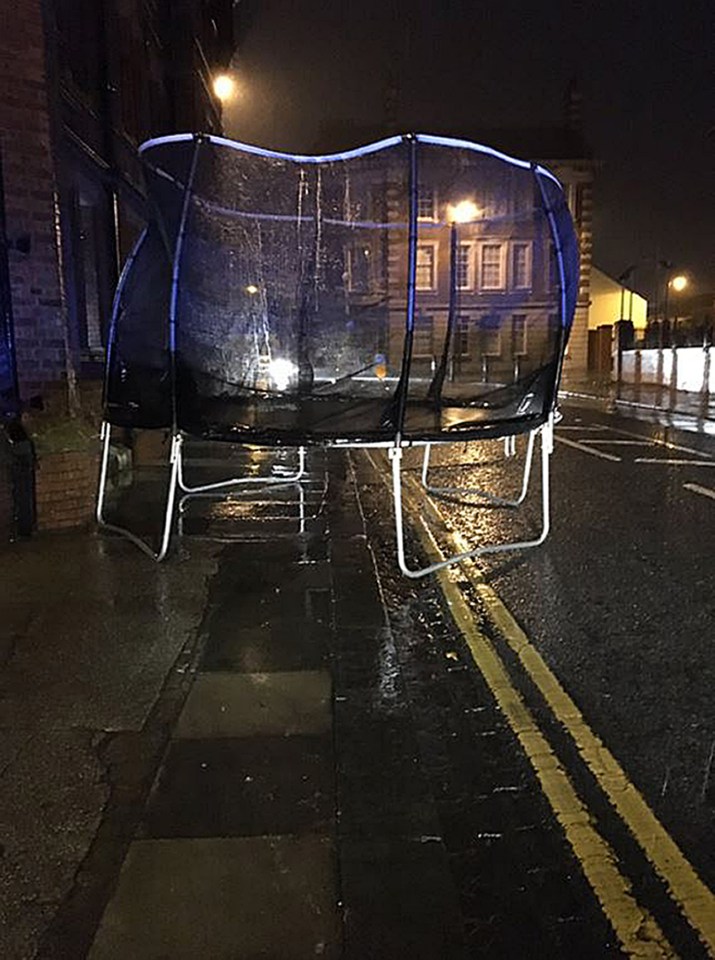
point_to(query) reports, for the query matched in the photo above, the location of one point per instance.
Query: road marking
(637, 930)
(623, 443)
(659, 442)
(675, 463)
(693, 897)
(696, 488)
(584, 426)
(585, 449)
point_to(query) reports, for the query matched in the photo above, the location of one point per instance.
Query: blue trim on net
(347, 154)
(274, 154)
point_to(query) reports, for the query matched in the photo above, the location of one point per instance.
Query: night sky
(310, 68)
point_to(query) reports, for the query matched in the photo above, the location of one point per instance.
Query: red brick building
(82, 83)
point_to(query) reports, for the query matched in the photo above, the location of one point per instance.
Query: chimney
(574, 107)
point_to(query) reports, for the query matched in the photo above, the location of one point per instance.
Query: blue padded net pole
(404, 381)
(435, 388)
(176, 264)
(116, 306)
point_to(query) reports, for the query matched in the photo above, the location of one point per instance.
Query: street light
(678, 283)
(224, 87)
(464, 211)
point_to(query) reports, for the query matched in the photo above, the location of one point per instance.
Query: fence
(676, 368)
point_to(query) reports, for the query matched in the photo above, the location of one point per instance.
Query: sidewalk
(691, 412)
(272, 745)
(195, 754)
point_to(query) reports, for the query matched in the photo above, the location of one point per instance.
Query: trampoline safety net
(419, 289)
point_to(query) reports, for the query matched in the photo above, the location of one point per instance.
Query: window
(490, 335)
(359, 268)
(465, 266)
(492, 266)
(89, 227)
(521, 266)
(461, 340)
(92, 264)
(426, 203)
(518, 335)
(554, 278)
(426, 275)
(423, 343)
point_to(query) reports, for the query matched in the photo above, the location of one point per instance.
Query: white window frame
(423, 192)
(524, 317)
(502, 264)
(528, 246)
(465, 324)
(434, 245)
(469, 245)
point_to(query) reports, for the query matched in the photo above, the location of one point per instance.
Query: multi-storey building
(83, 82)
(501, 276)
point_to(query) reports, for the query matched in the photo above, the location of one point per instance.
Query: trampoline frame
(395, 447)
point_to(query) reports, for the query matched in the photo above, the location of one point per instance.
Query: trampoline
(415, 291)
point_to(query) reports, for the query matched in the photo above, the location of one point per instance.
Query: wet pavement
(657, 405)
(274, 745)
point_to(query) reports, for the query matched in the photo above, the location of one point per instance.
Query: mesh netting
(418, 287)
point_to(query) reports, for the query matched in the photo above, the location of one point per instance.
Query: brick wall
(65, 489)
(29, 195)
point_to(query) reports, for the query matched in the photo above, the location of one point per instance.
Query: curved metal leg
(240, 481)
(175, 466)
(484, 494)
(547, 446)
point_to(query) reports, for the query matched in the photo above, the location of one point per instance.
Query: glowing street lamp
(464, 211)
(677, 284)
(224, 87)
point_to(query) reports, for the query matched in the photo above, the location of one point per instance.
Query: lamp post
(465, 211)
(621, 325)
(677, 284)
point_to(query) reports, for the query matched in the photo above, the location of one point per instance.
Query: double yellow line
(635, 928)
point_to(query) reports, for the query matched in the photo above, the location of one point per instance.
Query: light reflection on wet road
(620, 599)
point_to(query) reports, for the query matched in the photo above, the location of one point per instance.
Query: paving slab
(224, 899)
(241, 705)
(244, 787)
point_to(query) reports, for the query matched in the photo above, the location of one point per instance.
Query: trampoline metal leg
(547, 445)
(241, 481)
(477, 491)
(105, 437)
(174, 463)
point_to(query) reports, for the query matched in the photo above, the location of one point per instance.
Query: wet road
(345, 763)
(619, 604)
